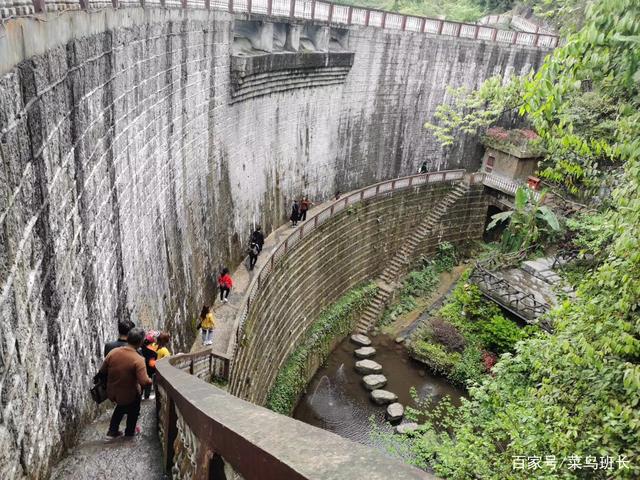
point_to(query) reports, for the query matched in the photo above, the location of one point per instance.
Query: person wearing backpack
(207, 324)
(253, 251)
(257, 237)
(125, 372)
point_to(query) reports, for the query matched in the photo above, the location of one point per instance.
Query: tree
(529, 222)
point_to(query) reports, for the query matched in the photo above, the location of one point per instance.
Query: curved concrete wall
(351, 248)
(127, 178)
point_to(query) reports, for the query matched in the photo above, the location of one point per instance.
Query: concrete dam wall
(130, 173)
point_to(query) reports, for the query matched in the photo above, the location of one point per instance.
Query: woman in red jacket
(224, 284)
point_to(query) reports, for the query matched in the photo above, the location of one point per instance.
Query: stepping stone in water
(365, 352)
(406, 428)
(360, 339)
(395, 411)
(368, 366)
(382, 397)
(373, 382)
(400, 339)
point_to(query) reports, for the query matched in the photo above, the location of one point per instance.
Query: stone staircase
(388, 279)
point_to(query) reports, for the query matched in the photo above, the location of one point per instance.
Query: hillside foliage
(573, 396)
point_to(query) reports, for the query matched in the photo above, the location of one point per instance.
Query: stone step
(367, 366)
(395, 412)
(374, 381)
(361, 340)
(383, 397)
(364, 352)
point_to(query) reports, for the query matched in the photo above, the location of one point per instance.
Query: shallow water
(336, 399)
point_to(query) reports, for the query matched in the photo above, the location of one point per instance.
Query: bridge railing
(313, 222)
(318, 10)
(206, 433)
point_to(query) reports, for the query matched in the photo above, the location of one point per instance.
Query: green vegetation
(530, 222)
(461, 341)
(576, 393)
(460, 10)
(420, 283)
(334, 323)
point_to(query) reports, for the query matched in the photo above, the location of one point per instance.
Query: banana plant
(529, 222)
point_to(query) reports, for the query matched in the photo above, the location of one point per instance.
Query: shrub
(500, 334)
(446, 334)
(434, 356)
(470, 368)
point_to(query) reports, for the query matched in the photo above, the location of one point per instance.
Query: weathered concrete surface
(100, 458)
(127, 179)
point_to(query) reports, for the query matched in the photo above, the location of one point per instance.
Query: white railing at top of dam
(318, 10)
(337, 206)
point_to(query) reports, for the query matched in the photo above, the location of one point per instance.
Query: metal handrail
(317, 10)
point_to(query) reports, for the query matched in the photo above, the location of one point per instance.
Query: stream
(336, 399)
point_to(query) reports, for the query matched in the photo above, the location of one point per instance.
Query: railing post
(393, 185)
(313, 9)
(207, 4)
(272, 257)
(423, 24)
(366, 18)
(346, 202)
(384, 19)
(515, 38)
(404, 22)
(301, 230)
(269, 7)
(286, 245)
(475, 34)
(361, 195)
(494, 34)
(330, 13)
(458, 30)
(170, 432)
(84, 4)
(191, 367)
(249, 5)
(377, 189)
(349, 15)
(230, 5)
(315, 221)
(440, 27)
(292, 8)
(411, 180)
(331, 210)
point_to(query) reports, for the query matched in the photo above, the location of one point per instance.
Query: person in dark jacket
(124, 326)
(423, 167)
(257, 237)
(125, 372)
(150, 354)
(253, 254)
(305, 204)
(295, 213)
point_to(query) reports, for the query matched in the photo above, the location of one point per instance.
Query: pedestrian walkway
(226, 313)
(96, 457)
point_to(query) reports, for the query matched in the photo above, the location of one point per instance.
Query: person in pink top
(224, 284)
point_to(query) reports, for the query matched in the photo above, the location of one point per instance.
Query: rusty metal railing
(317, 10)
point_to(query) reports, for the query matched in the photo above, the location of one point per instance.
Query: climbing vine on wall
(333, 323)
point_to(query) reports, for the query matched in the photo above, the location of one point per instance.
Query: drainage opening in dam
(337, 400)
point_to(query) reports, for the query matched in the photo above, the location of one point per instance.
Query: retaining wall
(128, 178)
(347, 250)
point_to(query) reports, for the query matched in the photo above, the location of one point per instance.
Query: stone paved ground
(96, 457)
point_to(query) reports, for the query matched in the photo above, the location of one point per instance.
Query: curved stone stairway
(388, 280)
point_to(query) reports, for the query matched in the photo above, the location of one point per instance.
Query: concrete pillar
(292, 43)
(263, 37)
